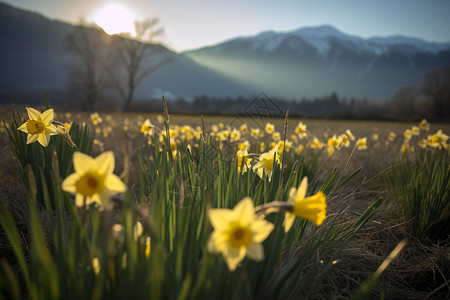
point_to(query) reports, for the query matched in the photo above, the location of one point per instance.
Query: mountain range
(308, 62)
(314, 61)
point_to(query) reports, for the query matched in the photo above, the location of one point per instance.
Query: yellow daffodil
(284, 145)
(391, 136)
(299, 149)
(95, 118)
(254, 132)
(243, 160)
(300, 130)
(270, 128)
(405, 147)
(423, 143)
(361, 143)
(316, 144)
(350, 135)
(345, 140)
(243, 127)
(238, 233)
(407, 134)
(39, 126)
(424, 125)
(415, 130)
(243, 145)
(224, 135)
(334, 142)
(438, 139)
(312, 208)
(235, 135)
(266, 162)
(93, 180)
(375, 136)
(147, 127)
(276, 136)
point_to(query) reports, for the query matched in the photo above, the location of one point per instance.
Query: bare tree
(130, 62)
(437, 86)
(87, 77)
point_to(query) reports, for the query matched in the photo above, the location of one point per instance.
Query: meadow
(110, 205)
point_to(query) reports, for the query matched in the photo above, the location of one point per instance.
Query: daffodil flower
(361, 144)
(312, 208)
(266, 161)
(238, 233)
(93, 180)
(39, 126)
(243, 160)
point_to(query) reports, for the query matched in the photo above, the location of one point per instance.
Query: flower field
(153, 206)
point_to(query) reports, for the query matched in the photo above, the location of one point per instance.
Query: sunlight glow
(115, 18)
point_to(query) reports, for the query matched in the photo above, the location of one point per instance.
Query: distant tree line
(327, 106)
(431, 100)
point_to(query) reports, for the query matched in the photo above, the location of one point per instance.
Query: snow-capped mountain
(314, 61)
(321, 37)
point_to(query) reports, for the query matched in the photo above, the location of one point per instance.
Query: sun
(115, 18)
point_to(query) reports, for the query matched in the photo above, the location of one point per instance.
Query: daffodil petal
(115, 184)
(23, 127)
(261, 229)
(105, 162)
(301, 192)
(288, 221)
(216, 243)
(255, 251)
(31, 138)
(33, 114)
(47, 116)
(79, 200)
(44, 138)
(292, 193)
(52, 129)
(104, 199)
(69, 183)
(245, 211)
(234, 256)
(82, 163)
(219, 218)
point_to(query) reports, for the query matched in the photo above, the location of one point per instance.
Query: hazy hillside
(34, 60)
(311, 62)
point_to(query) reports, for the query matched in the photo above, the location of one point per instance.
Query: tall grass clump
(160, 239)
(420, 185)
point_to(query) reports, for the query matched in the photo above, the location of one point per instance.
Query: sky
(191, 24)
